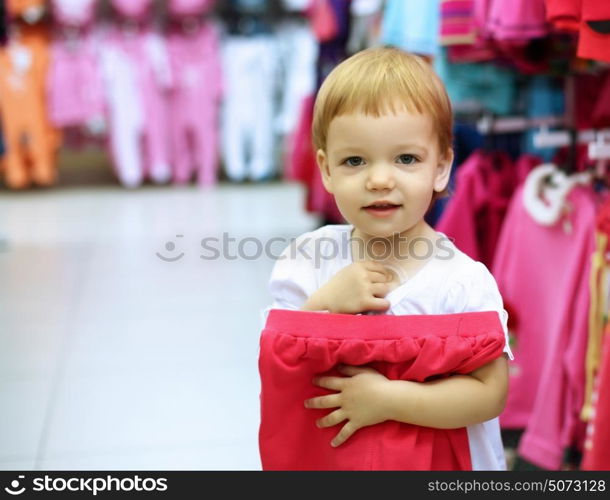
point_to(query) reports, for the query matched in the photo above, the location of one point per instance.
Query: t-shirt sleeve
(476, 291)
(293, 278)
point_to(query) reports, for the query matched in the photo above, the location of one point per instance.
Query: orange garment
(17, 7)
(30, 141)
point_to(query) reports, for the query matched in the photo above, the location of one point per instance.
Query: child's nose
(380, 176)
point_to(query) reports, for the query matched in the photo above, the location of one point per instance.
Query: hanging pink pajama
(74, 85)
(194, 103)
(296, 345)
(137, 79)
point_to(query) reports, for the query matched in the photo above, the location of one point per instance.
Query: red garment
(592, 100)
(481, 51)
(590, 18)
(564, 14)
(594, 40)
(302, 167)
(596, 448)
(601, 112)
(323, 20)
(296, 345)
(524, 165)
(300, 150)
(473, 216)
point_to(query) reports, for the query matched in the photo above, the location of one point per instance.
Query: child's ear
(322, 160)
(443, 171)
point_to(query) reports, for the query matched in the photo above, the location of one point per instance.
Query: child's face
(383, 170)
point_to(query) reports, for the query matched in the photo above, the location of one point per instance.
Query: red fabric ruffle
(295, 346)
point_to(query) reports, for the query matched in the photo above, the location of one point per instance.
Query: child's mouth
(382, 209)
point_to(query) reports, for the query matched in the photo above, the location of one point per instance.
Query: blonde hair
(379, 80)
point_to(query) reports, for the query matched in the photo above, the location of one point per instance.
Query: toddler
(382, 132)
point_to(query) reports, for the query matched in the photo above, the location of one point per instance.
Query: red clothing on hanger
(302, 166)
(475, 213)
(594, 39)
(564, 14)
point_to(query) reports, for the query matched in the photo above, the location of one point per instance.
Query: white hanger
(33, 14)
(600, 148)
(545, 191)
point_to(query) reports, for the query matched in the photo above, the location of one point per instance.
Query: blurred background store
(156, 157)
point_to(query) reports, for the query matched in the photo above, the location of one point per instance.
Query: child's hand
(361, 400)
(357, 288)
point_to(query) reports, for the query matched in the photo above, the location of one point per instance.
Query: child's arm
(366, 397)
(357, 288)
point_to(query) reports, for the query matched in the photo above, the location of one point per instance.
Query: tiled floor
(112, 357)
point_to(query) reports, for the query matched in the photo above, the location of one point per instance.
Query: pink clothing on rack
(474, 215)
(75, 13)
(74, 84)
(133, 9)
(542, 274)
(481, 14)
(517, 20)
(194, 101)
(190, 7)
(457, 24)
(482, 48)
(151, 75)
(524, 165)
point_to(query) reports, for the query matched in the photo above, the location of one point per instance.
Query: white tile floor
(112, 358)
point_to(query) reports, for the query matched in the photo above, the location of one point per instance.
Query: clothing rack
(488, 124)
(598, 140)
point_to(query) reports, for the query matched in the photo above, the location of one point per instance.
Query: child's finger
(371, 265)
(380, 289)
(392, 272)
(344, 434)
(378, 277)
(329, 401)
(332, 419)
(332, 383)
(377, 304)
(355, 370)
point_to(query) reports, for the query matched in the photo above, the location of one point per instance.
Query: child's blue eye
(354, 161)
(407, 159)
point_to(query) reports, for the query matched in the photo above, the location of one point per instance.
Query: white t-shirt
(450, 282)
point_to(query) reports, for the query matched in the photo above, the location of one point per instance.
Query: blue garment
(543, 98)
(248, 17)
(250, 6)
(488, 84)
(412, 25)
